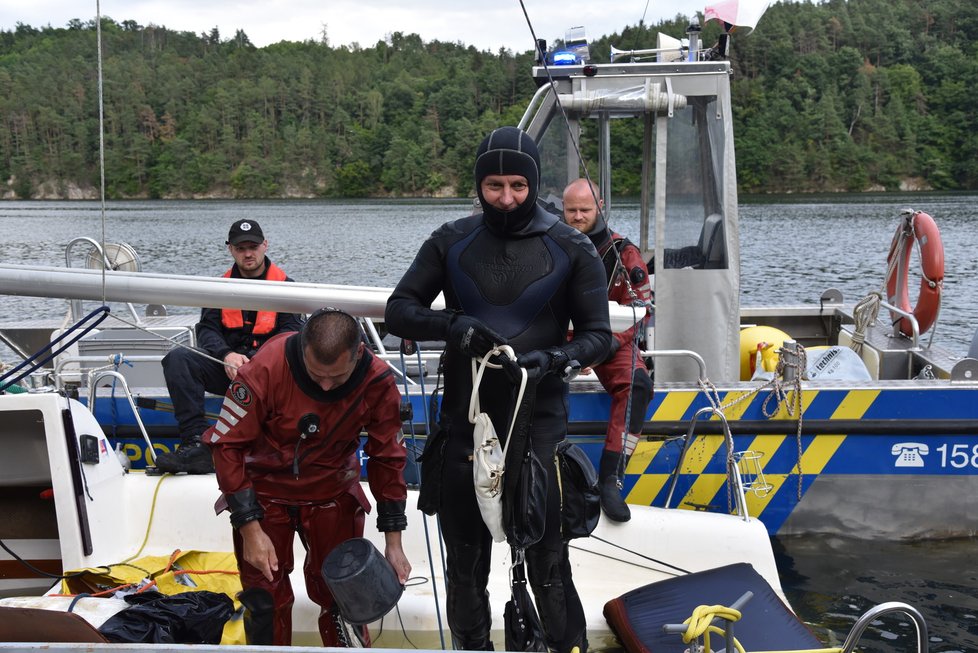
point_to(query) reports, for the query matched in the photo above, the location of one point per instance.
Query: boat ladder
(697, 628)
(744, 473)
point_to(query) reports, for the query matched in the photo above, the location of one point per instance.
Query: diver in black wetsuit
(514, 274)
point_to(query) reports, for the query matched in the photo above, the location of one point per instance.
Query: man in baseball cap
(230, 335)
(245, 231)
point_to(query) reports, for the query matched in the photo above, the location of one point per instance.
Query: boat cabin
(688, 212)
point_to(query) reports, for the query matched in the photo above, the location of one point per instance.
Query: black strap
(517, 449)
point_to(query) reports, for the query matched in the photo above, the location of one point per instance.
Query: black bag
(432, 461)
(580, 494)
(521, 623)
(155, 618)
(525, 503)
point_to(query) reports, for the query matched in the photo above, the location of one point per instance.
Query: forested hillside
(839, 95)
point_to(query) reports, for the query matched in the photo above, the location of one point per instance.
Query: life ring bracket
(918, 228)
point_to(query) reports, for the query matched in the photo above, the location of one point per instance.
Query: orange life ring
(924, 231)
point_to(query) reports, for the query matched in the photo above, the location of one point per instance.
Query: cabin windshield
(662, 132)
(693, 222)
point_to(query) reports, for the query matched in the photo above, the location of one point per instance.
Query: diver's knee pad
(259, 616)
(641, 396)
(543, 574)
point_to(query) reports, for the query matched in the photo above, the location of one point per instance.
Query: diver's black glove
(540, 362)
(471, 336)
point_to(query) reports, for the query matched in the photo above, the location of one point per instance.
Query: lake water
(792, 249)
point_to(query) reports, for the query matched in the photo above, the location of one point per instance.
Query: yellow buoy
(764, 339)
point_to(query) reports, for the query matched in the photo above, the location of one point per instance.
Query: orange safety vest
(233, 318)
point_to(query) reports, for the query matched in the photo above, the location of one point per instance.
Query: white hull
(175, 512)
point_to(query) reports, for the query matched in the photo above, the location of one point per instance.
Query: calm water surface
(792, 249)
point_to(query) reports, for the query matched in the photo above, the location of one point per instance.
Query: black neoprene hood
(508, 151)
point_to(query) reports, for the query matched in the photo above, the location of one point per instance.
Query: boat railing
(61, 377)
(678, 353)
(393, 359)
(734, 479)
(914, 326)
(533, 107)
(396, 359)
(140, 349)
(97, 375)
(871, 615)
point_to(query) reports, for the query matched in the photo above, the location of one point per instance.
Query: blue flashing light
(564, 58)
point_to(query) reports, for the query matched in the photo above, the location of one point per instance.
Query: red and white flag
(741, 13)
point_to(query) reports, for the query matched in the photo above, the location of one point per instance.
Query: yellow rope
(698, 625)
(149, 523)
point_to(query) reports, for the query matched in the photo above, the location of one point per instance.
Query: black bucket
(362, 581)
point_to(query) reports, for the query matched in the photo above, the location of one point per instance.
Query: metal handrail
(101, 358)
(91, 241)
(733, 474)
(677, 353)
(872, 614)
(915, 329)
(531, 107)
(914, 325)
(94, 377)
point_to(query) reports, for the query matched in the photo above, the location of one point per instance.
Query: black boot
(191, 457)
(612, 504)
(478, 644)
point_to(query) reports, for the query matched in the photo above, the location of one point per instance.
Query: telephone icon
(909, 454)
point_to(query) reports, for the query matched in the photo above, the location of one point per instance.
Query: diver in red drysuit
(623, 373)
(285, 452)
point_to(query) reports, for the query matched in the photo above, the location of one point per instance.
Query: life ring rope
(916, 228)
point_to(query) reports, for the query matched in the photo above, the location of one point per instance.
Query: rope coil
(699, 625)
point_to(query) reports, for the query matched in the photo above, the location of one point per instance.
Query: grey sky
(484, 24)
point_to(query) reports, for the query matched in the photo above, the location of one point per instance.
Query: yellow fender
(759, 342)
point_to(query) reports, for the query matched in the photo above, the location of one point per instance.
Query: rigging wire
(619, 267)
(644, 12)
(101, 136)
(41, 572)
(573, 139)
(417, 466)
(627, 550)
(641, 25)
